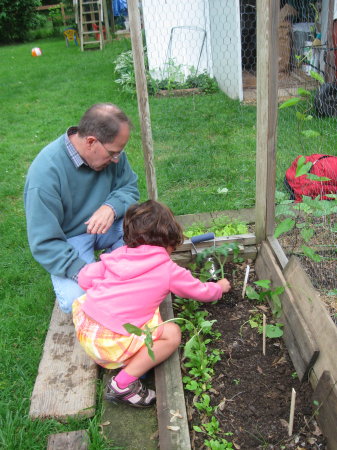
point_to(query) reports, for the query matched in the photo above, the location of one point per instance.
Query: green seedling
(204, 405)
(217, 258)
(267, 294)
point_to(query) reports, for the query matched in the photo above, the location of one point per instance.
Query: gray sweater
(59, 198)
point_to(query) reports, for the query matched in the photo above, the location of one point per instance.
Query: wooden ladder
(91, 14)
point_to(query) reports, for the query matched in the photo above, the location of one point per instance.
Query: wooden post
(330, 66)
(142, 96)
(106, 22)
(267, 87)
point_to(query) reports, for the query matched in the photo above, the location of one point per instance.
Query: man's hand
(101, 220)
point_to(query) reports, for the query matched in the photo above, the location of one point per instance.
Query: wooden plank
(66, 381)
(315, 315)
(185, 258)
(267, 88)
(326, 410)
(301, 343)
(244, 239)
(170, 396)
(244, 215)
(73, 440)
(142, 97)
(278, 252)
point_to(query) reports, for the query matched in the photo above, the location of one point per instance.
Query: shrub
(16, 18)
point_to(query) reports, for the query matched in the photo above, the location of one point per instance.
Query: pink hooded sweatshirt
(128, 285)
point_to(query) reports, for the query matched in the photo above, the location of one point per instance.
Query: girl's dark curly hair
(151, 223)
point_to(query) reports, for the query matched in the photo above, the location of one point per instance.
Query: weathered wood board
(184, 259)
(170, 397)
(245, 215)
(326, 408)
(73, 440)
(66, 381)
(316, 316)
(243, 239)
(301, 343)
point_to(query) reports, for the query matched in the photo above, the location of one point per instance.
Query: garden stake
(292, 411)
(264, 335)
(245, 281)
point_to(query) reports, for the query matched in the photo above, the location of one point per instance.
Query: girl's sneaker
(136, 394)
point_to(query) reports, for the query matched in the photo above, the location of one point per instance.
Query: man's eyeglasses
(114, 155)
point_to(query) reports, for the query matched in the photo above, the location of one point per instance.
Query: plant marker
(264, 335)
(292, 411)
(245, 281)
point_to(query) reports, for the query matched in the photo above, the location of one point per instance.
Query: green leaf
(274, 331)
(252, 294)
(303, 167)
(291, 102)
(317, 76)
(198, 429)
(310, 133)
(132, 329)
(189, 346)
(283, 227)
(307, 233)
(303, 92)
(314, 177)
(300, 116)
(310, 253)
(263, 283)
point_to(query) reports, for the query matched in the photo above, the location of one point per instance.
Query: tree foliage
(16, 18)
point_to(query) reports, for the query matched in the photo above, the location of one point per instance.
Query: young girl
(127, 286)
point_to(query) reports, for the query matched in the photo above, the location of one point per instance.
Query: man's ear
(90, 140)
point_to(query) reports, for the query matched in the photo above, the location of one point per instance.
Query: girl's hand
(224, 284)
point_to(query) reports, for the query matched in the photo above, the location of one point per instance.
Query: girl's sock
(123, 379)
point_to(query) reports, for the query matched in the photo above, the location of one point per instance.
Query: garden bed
(250, 391)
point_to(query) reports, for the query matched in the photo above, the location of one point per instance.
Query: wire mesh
(205, 138)
(307, 77)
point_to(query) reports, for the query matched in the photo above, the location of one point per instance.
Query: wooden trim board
(170, 396)
(66, 382)
(326, 410)
(244, 215)
(302, 345)
(73, 440)
(316, 316)
(243, 239)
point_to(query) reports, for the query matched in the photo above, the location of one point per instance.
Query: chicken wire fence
(307, 126)
(205, 138)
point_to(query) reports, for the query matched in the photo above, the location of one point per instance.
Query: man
(76, 194)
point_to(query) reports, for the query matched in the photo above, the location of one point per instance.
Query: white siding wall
(220, 55)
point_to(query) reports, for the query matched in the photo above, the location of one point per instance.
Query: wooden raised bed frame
(309, 333)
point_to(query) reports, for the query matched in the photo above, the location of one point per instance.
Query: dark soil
(252, 390)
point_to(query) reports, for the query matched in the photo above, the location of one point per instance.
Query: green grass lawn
(203, 144)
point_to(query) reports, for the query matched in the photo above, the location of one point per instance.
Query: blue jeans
(66, 289)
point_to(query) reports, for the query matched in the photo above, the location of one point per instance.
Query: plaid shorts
(107, 348)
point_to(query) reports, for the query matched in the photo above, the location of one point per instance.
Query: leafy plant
(220, 226)
(272, 330)
(301, 217)
(173, 76)
(124, 68)
(16, 19)
(214, 259)
(267, 293)
(304, 104)
(212, 429)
